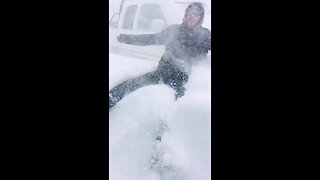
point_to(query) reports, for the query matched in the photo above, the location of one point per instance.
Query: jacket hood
(197, 6)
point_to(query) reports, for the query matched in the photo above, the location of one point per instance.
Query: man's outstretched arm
(145, 39)
(139, 40)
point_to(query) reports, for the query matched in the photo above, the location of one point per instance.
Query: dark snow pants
(166, 73)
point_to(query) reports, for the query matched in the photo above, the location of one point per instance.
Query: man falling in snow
(185, 44)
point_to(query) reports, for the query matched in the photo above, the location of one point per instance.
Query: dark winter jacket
(183, 46)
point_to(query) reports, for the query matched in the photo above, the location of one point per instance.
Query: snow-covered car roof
(174, 10)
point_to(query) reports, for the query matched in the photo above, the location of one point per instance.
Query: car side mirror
(114, 21)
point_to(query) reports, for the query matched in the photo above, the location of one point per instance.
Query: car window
(129, 17)
(148, 13)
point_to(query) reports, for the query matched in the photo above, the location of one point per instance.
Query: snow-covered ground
(184, 152)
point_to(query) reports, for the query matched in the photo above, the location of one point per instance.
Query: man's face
(193, 18)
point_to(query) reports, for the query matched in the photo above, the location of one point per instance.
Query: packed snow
(184, 151)
(152, 136)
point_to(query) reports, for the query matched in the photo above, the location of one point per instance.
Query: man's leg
(177, 81)
(126, 87)
(172, 76)
(180, 92)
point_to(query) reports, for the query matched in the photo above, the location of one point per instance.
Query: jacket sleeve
(145, 39)
(205, 39)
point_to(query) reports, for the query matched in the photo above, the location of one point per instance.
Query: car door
(143, 19)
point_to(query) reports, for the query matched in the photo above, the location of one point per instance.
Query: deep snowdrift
(138, 120)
